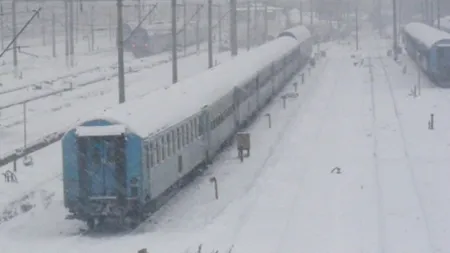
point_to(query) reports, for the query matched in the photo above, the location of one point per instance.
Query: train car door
(102, 166)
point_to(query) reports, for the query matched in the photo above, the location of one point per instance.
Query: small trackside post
(216, 190)
(269, 117)
(431, 122)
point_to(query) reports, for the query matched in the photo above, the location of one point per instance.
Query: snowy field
(390, 195)
(32, 57)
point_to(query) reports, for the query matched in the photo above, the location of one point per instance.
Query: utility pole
(185, 27)
(394, 6)
(301, 12)
(248, 26)
(66, 28)
(174, 42)
(266, 24)
(210, 44)
(72, 30)
(197, 29)
(219, 10)
(53, 34)
(438, 5)
(120, 52)
(14, 30)
(1, 26)
(255, 24)
(311, 11)
(357, 27)
(431, 13)
(233, 28)
(139, 12)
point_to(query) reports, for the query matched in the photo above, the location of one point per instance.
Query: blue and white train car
(123, 162)
(430, 48)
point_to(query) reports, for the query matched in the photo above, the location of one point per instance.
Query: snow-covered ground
(66, 109)
(354, 113)
(32, 58)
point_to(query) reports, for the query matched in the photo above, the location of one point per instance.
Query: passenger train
(124, 162)
(430, 48)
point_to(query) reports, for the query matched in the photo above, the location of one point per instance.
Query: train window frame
(183, 136)
(163, 148)
(151, 154)
(169, 145)
(158, 151)
(192, 130)
(200, 127)
(188, 140)
(179, 138)
(196, 127)
(174, 144)
(147, 155)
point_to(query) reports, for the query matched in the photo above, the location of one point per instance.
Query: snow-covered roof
(111, 130)
(166, 107)
(425, 34)
(299, 32)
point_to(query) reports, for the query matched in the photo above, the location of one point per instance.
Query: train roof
(168, 106)
(299, 33)
(426, 35)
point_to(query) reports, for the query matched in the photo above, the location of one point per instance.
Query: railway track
(67, 83)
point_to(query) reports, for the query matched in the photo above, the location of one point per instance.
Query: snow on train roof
(427, 35)
(166, 107)
(299, 32)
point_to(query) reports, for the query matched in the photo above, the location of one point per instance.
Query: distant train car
(157, 38)
(140, 43)
(321, 30)
(123, 162)
(430, 48)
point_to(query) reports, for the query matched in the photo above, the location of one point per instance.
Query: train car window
(163, 148)
(200, 127)
(192, 132)
(195, 127)
(179, 138)
(147, 155)
(169, 145)
(174, 146)
(158, 152)
(183, 136)
(152, 154)
(188, 134)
